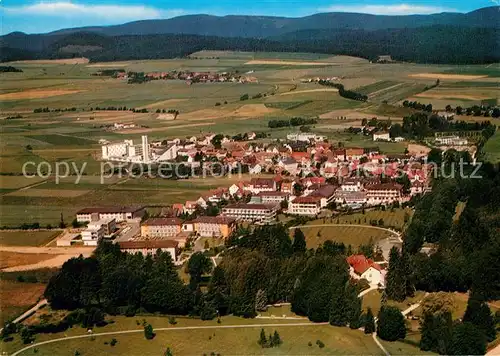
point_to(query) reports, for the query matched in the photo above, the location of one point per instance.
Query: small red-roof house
(364, 268)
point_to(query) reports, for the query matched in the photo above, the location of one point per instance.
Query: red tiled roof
(111, 210)
(360, 263)
(306, 199)
(162, 222)
(213, 220)
(147, 244)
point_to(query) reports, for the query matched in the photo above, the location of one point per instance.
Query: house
(326, 193)
(353, 154)
(161, 228)
(214, 226)
(351, 185)
(258, 185)
(339, 154)
(287, 187)
(364, 268)
(149, 247)
(120, 214)
(255, 169)
(307, 205)
(289, 164)
(257, 213)
(381, 136)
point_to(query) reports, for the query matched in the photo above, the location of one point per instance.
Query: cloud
(115, 13)
(392, 9)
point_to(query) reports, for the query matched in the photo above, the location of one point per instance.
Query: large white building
(308, 205)
(120, 214)
(149, 247)
(257, 213)
(127, 151)
(384, 193)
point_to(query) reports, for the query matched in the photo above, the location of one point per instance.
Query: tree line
(348, 94)
(294, 121)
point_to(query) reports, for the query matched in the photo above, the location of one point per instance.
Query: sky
(40, 16)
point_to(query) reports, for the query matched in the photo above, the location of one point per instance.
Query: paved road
(173, 328)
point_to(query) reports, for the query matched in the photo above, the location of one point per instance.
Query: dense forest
(434, 44)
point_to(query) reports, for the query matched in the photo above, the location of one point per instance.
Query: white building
(305, 137)
(149, 247)
(273, 197)
(160, 228)
(308, 205)
(364, 268)
(120, 214)
(381, 136)
(92, 235)
(384, 193)
(451, 141)
(257, 213)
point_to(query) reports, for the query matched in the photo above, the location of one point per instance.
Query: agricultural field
(27, 294)
(393, 218)
(278, 93)
(492, 148)
(27, 238)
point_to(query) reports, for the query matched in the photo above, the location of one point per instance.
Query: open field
(27, 238)
(492, 148)
(15, 259)
(35, 94)
(447, 76)
(394, 218)
(27, 294)
(348, 235)
(288, 63)
(235, 336)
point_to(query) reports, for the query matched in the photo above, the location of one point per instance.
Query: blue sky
(38, 16)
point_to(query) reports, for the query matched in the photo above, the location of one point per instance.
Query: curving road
(164, 329)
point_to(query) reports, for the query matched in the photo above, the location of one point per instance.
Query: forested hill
(267, 26)
(434, 44)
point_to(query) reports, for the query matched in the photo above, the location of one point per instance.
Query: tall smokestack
(145, 149)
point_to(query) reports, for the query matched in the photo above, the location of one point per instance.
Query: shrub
(320, 344)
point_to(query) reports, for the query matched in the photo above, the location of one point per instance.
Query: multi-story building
(149, 247)
(214, 226)
(258, 213)
(92, 235)
(350, 197)
(273, 197)
(385, 193)
(120, 214)
(307, 205)
(160, 228)
(109, 225)
(326, 193)
(258, 185)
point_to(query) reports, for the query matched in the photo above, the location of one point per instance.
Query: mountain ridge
(270, 26)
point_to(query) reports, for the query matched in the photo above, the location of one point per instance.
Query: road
(172, 328)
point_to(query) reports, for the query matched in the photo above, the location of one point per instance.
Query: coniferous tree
(395, 286)
(391, 324)
(276, 339)
(479, 314)
(369, 322)
(299, 241)
(262, 340)
(467, 339)
(435, 330)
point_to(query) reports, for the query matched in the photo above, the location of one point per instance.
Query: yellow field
(446, 76)
(36, 94)
(289, 63)
(61, 193)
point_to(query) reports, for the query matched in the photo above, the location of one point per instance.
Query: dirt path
(385, 89)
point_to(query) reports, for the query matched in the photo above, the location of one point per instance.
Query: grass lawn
(26, 295)
(349, 235)
(372, 300)
(233, 341)
(27, 238)
(492, 148)
(394, 218)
